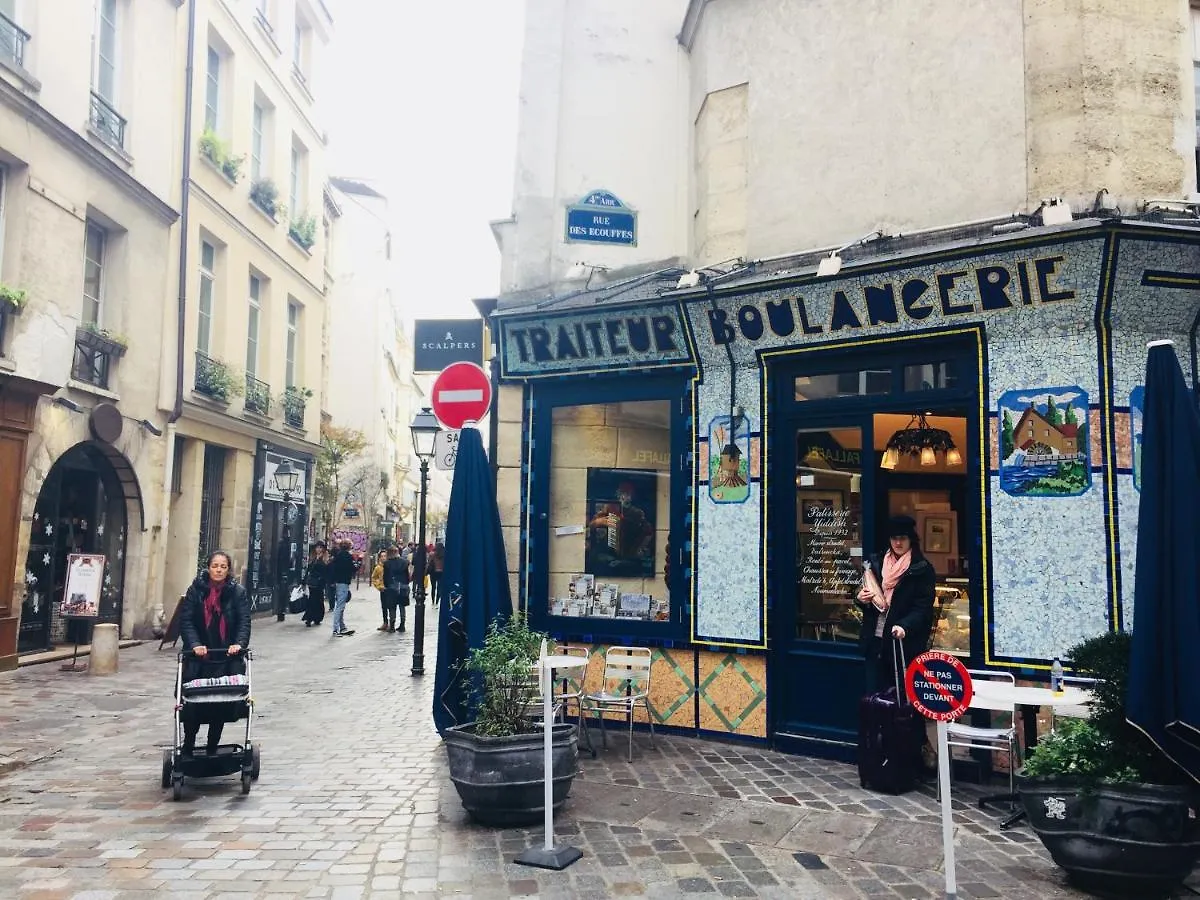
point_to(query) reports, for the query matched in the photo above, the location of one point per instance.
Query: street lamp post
(424, 430)
(287, 480)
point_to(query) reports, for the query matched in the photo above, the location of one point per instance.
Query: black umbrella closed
(474, 582)
(1164, 672)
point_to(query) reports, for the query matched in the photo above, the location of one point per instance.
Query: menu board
(829, 574)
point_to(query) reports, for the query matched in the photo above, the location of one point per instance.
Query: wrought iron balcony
(95, 353)
(258, 396)
(293, 408)
(107, 122)
(212, 377)
(13, 39)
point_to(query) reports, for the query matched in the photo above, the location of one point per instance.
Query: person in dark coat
(216, 616)
(395, 582)
(341, 573)
(906, 580)
(315, 577)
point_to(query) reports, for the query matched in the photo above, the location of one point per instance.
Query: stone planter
(1116, 840)
(500, 779)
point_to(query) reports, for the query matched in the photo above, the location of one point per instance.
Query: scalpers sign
(648, 336)
(962, 291)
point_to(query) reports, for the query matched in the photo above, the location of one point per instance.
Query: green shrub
(502, 688)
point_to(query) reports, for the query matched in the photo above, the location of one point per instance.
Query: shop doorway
(81, 508)
(847, 449)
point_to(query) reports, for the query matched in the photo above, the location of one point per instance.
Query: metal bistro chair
(977, 738)
(626, 686)
(570, 689)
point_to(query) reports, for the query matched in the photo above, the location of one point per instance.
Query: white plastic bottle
(1056, 676)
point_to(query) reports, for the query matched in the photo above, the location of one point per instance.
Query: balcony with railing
(106, 122)
(96, 353)
(213, 378)
(13, 39)
(294, 402)
(258, 396)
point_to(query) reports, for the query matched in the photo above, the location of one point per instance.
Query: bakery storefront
(704, 471)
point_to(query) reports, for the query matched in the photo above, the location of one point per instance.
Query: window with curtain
(208, 261)
(93, 273)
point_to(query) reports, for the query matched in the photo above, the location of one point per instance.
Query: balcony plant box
(496, 762)
(1109, 807)
(101, 341)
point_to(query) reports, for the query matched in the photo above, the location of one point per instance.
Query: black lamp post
(424, 430)
(287, 480)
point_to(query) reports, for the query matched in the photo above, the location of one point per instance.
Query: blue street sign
(601, 218)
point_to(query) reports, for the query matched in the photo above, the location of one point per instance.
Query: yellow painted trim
(1108, 424)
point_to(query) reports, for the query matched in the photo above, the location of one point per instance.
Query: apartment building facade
(245, 389)
(87, 212)
(779, 271)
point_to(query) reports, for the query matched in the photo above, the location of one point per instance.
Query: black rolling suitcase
(890, 735)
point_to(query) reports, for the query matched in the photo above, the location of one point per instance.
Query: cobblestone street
(354, 801)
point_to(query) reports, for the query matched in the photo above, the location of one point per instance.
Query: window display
(952, 617)
(610, 511)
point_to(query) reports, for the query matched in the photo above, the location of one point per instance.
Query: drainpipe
(186, 186)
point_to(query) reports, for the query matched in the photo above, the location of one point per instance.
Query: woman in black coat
(907, 581)
(216, 616)
(316, 577)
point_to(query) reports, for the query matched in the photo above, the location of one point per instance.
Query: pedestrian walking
(216, 616)
(342, 574)
(378, 584)
(437, 564)
(315, 578)
(395, 579)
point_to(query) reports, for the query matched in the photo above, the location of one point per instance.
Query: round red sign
(462, 393)
(938, 686)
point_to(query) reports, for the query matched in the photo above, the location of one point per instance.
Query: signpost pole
(947, 819)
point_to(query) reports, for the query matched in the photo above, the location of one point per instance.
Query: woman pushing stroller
(215, 627)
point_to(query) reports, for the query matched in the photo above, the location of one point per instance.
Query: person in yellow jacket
(377, 583)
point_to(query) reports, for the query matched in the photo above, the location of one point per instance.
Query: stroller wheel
(177, 787)
(256, 758)
(246, 778)
(166, 769)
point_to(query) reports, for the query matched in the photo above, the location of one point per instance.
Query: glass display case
(952, 617)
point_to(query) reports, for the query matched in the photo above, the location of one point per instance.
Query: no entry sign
(461, 393)
(938, 685)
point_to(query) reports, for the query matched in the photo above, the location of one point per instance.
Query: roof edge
(691, 23)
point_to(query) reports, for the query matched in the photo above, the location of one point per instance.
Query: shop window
(610, 511)
(934, 376)
(852, 383)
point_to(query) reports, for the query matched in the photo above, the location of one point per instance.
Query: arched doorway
(81, 509)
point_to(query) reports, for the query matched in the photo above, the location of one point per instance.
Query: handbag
(298, 599)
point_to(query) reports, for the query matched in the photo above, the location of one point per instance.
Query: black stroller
(222, 693)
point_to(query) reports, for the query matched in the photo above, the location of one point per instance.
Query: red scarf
(212, 609)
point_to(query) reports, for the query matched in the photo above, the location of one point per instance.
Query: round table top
(562, 662)
(1020, 695)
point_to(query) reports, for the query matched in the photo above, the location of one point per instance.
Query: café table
(1027, 701)
(566, 663)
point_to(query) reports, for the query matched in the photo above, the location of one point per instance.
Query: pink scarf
(212, 608)
(894, 568)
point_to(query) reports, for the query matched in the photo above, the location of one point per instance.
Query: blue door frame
(815, 686)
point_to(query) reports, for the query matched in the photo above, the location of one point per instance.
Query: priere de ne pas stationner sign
(439, 342)
(601, 218)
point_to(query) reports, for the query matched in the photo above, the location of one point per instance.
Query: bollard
(104, 650)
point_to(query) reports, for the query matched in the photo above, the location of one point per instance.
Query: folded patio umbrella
(474, 586)
(1163, 700)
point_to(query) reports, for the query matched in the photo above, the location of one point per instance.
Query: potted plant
(13, 299)
(217, 152)
(303, 231)
(217, 380)
(1109, 806)
(265, 195)
(497, 762)
(101, 340)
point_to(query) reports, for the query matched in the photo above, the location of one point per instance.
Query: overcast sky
(422, 102)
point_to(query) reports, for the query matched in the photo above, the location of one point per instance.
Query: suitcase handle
(897, 668)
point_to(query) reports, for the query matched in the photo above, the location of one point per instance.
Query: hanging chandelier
(923, 441)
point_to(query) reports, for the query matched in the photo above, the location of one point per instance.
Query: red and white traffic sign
(938, 686)
(462, 393)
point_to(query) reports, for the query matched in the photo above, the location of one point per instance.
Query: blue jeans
(341, 594)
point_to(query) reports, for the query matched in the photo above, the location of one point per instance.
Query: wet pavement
(354, 801)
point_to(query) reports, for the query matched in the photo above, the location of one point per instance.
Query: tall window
(105, 82)
(294, 190)
(93, 273)
(212, 92)
(293, 339)
(252, 327)
(256, 142)
(208, 262)
(300, 48)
